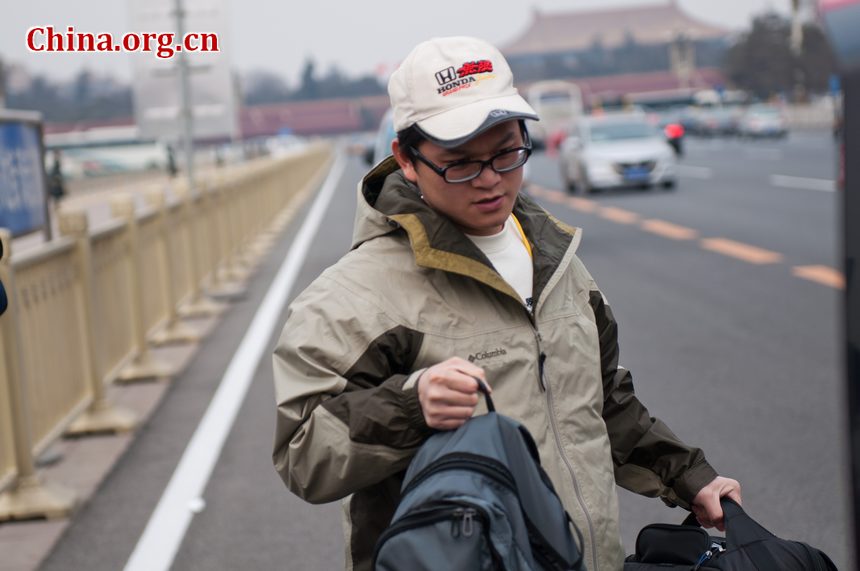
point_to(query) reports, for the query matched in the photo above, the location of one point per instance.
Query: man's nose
(487, 179)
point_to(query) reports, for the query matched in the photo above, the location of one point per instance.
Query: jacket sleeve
(649, 459)
(348, 414)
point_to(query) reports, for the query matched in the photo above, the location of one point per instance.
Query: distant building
(650, 41)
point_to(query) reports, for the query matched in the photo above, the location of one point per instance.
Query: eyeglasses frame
(441, 171)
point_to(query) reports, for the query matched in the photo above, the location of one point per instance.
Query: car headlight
(599, 165)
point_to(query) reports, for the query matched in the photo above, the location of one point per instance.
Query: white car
(613, 151)
(762, 121)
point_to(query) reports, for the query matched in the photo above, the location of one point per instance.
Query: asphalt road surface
(729, 309)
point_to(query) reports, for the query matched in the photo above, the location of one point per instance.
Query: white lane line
(166, 529)
(696, 172)
(819, 184)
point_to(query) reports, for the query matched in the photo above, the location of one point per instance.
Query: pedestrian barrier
(85, 308)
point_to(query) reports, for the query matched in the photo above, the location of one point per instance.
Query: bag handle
(482, 386)
(741, 529)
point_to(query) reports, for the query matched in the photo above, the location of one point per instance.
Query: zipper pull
(455, 522)
(468, 522)
(703, 559)
(715, 549)
(541, 359)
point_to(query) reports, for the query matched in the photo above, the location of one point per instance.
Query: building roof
(553, 32)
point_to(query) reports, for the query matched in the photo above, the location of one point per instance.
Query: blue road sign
(22, 176)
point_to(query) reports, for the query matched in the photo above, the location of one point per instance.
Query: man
(56, 186)
(453, 274)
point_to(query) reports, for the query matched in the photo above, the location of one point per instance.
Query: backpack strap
(743, 532)
(741, 529)
(691, 520)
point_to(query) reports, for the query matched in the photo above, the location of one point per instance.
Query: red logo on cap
(473, 67)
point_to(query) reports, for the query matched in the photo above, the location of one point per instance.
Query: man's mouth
(490, 204)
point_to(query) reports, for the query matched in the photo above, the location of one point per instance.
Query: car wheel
(586, 184)
(669, 184)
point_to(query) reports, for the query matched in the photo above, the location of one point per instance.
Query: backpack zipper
(461, 514)
(462, 460)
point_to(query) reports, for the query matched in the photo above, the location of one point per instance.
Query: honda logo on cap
(446, 76)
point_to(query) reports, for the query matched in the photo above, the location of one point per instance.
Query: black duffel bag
(747, 547)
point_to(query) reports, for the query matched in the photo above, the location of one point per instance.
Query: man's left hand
(706, 504)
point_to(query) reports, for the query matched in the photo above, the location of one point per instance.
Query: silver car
(762, 121)
(612, 151)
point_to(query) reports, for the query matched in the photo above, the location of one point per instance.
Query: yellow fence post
(222, 288)
(232, 268)
(199, 305)
(203, 216)
(29, 497)
(143, 367)
(101, 416)
(174, 331)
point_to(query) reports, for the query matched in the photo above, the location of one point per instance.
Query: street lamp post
(186, 111)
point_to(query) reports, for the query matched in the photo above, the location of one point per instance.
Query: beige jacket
(412, 292)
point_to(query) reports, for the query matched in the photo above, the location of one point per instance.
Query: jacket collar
(387, 202)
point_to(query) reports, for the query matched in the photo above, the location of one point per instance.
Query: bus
(557, 103)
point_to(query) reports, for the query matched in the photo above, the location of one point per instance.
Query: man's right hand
(448, 393)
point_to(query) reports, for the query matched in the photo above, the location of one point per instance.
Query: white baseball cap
(454, 89)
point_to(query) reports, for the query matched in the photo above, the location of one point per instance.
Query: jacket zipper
(553, 424)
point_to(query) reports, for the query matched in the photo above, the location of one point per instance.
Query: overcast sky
(357, 36)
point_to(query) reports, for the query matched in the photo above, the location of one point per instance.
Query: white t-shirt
(508, 253)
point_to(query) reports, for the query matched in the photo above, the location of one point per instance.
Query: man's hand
(448, 393)
(706, 504)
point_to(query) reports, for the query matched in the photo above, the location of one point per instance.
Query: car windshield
(619, 131)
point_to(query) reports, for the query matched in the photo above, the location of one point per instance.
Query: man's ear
(406, 164)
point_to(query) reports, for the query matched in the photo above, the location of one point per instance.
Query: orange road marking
(554, 196)
(669, 230)
(536, 190)
(745, 252)
(582, 204)
(821, 274)
(618, 215)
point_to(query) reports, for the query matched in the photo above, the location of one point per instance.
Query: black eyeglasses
(464, 171)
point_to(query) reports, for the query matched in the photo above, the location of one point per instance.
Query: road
(729, 313)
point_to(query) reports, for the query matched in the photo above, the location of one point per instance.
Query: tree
(83, 87)
(263, 87)
(309, 88)
(817, 60)
(762, 62)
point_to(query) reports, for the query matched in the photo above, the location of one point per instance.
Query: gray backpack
(476, 498)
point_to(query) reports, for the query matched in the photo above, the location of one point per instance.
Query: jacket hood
(369, 221)
(388, 203)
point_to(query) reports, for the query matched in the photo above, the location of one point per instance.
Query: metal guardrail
(85, 308)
